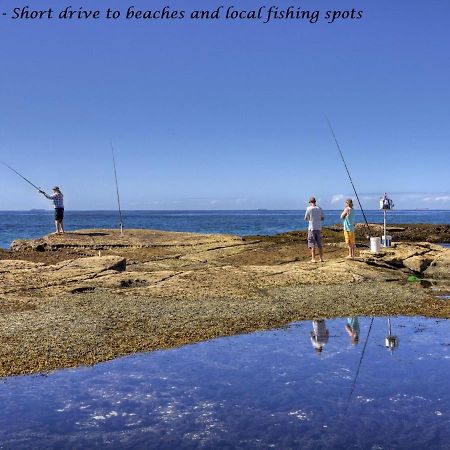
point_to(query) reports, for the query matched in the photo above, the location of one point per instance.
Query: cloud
(337, 198)
(402, 200)
(437, 198)
(370, 197)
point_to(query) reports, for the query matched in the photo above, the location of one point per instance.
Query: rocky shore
(92, 295)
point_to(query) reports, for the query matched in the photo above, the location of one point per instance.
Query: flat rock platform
(92, 295)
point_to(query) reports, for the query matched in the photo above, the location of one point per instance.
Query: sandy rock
(42, 281)
(416, 257)
(7, 265)
(418, 263)
(99, 239)
(440, 266)
(21, 245)
(193, 266)
(95, 264)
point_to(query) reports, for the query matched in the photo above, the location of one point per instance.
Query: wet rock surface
(91, 295)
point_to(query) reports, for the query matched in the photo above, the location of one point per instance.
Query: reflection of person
(319, 334)
(349, 227)
(352, 328)
(314, 215)
(58, 201)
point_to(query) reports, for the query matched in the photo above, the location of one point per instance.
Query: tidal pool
(270, 389)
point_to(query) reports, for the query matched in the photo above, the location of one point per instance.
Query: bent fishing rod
(117, 190)
(349, 176)
(21, 176)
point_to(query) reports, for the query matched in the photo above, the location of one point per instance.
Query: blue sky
(227, 114)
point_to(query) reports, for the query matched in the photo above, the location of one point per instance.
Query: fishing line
(359, 366)
(20, 175)
(117, 189)
(348, 173)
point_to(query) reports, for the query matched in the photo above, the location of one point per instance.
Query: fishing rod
(21, 176)
(349, 176)
(359, 366)
(117, 190)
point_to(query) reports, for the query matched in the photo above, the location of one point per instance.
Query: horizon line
(213, 210)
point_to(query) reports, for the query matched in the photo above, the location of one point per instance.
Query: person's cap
(55, 188)
(312, 200)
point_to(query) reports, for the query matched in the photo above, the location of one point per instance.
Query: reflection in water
(254, 391)
(391, 341)
(352, 328)
(319, 334)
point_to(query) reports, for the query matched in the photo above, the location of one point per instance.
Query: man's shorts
(314, 238)
(59, 214)
(349, 237)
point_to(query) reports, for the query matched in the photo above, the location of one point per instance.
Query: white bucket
(386, 240)
(375, 245)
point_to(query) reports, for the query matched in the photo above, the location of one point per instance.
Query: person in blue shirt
(352, 328)
(348, 217)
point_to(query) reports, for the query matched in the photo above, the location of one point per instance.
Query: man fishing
(57, 198)
(58, 201)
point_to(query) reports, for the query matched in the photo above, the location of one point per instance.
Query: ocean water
(34, 224)
(262, 390)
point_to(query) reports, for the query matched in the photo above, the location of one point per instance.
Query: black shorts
(59, 214)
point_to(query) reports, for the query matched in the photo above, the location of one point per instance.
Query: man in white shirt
(314, 215)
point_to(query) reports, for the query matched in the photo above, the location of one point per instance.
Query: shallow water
(261, 390)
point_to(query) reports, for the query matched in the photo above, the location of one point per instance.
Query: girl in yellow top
(348, 217)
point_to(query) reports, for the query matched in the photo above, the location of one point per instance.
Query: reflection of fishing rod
(117, 189)
(21, 176)
(359, 366)
(348, 173)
